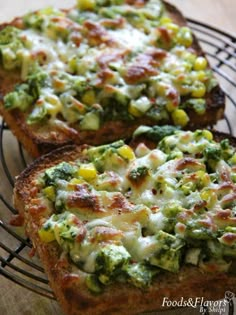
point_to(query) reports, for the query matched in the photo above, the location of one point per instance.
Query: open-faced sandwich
(92, 74)
(119, 228)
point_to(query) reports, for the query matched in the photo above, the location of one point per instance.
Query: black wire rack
(16, 262)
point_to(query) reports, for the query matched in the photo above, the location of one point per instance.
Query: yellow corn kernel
(49, 192)
(201, 75)
(76, 181)
(199, 91)
(170, 106)
(207, 134)
(126, 152)
(73, 182)
(86, 4)
(200, 64)
(162, 88)
(87, 171)
(46, 235)
(165, 20)
(233, 159)
(53, 105)
(72, 64)
(172, 26)
(204, 177)
(89, 98)
(209, 196)
(180, 118)
(184, 37)
(133, 110)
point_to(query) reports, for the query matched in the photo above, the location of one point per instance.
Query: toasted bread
(113, 119)
(208, 274)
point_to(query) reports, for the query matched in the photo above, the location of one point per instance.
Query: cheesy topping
(109, 60)
(124, 215)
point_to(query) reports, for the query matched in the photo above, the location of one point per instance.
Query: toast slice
(121, 230)
(94, 73)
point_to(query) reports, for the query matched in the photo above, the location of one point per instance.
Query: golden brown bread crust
(68, 284)
(38, 140)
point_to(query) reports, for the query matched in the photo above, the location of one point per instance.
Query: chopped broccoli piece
(138, 173)
(110, 261)
(93, 284)
(105, 155)
(140, 274)
(169, 252)
(212, 153)
(20, 98)
(155, 133)
(9, 46)
(38, 113)
(8, 35)
(61, 171)
(198, 104)
(37, 80)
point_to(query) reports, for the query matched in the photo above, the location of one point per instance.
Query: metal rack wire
(15, 261)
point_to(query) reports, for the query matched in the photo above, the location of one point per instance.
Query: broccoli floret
(105, 155)
(225, 144)
(212, 155)
(36, 19)
(61, 171)
(198, 104)
(140, 275)
(110, 261)
(9, 46)
(37, 80)
(104, 3)
(8, 35)
(155, 133)
(38, 113)
(20, 98)
(168, 253)
(138, 173)
(93, 284)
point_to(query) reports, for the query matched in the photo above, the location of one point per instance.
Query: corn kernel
(76, 181)
(86, 4)
(165, 20)
(89, 98)
(184, 37)
(162, 88)
(199, 91)
(171, 106)
(87, 171)
(200, 64)
(180, 118)
(172, 26)
(233, 159)
(49, 192)
(72, 63)
(133, 110)
(207, 134)
(73, 182)
(126, 152)
(46, 235)
(53, 105)
(203, 177)
(209, 196)
(201, 75)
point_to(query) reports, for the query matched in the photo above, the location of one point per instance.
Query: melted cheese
(156, 207)
(130, 55)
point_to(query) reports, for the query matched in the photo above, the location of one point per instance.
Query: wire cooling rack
(16, 262)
